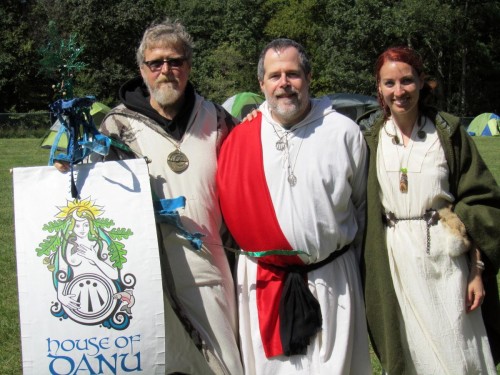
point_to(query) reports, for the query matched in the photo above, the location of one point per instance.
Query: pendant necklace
(177, 160)
(282, 145)
(403, 180)
(394, 137)
(403, 171)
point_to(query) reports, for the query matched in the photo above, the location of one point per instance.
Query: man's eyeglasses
(156, 65)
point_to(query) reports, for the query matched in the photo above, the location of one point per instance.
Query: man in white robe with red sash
(292, 185)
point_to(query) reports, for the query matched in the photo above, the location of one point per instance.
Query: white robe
(440, 338)
(321, 213)
(203, 281)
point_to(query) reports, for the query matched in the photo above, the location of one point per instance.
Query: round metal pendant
(421, 134)
(178, 161)
(292, 180)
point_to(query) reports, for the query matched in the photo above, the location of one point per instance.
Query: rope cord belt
(431, 217)
(306, 268)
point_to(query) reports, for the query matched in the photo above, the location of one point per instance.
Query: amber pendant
(403, 181)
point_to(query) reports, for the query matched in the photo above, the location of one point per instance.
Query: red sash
(249, 214)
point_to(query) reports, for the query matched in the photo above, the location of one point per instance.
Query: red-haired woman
(432, 247)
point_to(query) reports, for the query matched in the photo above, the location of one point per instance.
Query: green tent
(97, 111)
(486, 124)
(243, 103)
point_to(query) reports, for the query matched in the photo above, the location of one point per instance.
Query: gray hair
(280, 45)
(166, 34)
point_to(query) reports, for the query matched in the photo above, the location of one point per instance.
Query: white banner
(90, 292)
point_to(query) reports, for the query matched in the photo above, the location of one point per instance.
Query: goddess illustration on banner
(85, 255)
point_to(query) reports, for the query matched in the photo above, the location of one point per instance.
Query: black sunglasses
(156, 65)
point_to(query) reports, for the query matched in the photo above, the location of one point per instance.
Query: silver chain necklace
(282, 145)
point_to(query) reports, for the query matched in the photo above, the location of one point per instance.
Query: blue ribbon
(166, 212)
(78, 125)
(83, 136)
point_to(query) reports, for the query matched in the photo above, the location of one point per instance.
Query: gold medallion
(177, 161)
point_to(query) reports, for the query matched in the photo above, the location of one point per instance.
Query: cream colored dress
(430, 284)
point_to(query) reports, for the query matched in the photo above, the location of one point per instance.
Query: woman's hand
(475, 290)
(251, 115)
(69, 301)
(87, 253)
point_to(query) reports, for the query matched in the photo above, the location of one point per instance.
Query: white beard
(165, 94)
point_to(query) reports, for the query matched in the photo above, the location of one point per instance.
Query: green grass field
(26, 152)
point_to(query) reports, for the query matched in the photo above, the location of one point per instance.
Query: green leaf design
(54, 226)
(117, 254)
(48, 245)
(103, 223)
(120, 233)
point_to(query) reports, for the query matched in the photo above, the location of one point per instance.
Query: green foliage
(459, 40)
(48, 246)
(116, 249)
(302, 20)
(120, 233)
(54, 226)
(224, 73)
(60, 61)
(21, 89)
(103, 223)
(58, 242)
(117, 254)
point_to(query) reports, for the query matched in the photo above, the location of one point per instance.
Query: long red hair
(408, 56)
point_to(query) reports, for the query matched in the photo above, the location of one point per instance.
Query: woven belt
(431, 217)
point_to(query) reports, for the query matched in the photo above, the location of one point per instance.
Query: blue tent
(486, 125)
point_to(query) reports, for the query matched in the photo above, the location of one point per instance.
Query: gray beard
(164, 95)
(287, 113)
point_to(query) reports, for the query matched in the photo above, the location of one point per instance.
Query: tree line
(458, 40)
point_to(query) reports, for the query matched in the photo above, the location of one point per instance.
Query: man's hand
(61, 166)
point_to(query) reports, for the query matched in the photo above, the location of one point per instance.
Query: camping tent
(486, 124)
(97, 111)
(243, 103)
(353, 105)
